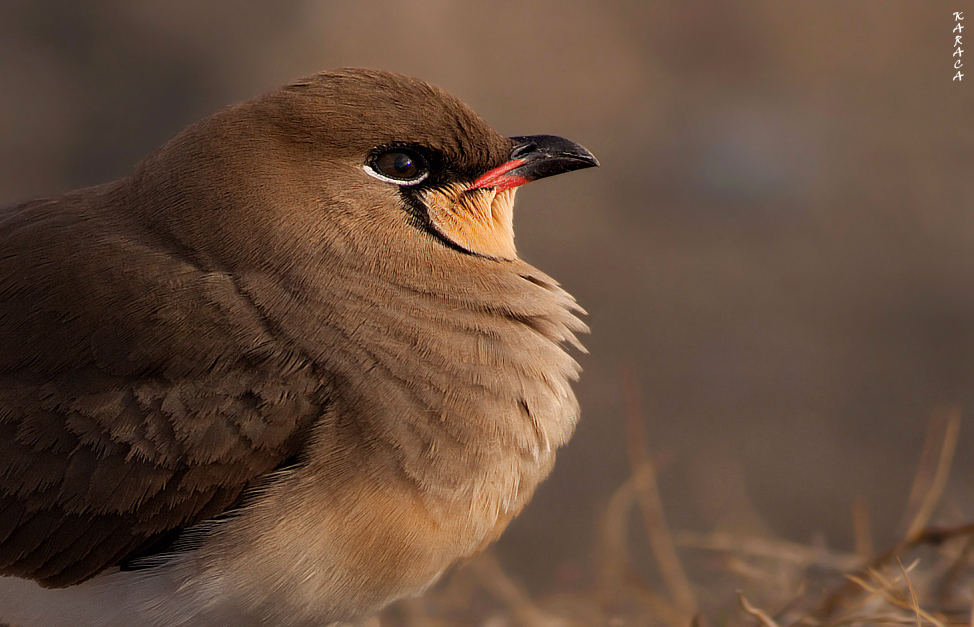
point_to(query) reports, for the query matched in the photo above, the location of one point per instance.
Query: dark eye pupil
(398, 165)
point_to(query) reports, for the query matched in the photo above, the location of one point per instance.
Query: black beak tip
(547, 155)
(588, 158)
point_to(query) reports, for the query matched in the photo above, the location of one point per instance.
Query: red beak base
(498, 177)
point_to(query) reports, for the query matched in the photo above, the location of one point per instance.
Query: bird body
(287, 371)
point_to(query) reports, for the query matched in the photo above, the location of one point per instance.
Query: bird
(288, 370)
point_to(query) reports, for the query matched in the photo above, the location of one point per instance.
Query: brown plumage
(270, 378)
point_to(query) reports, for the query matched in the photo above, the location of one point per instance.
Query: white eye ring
(388, 179)
(400, 166)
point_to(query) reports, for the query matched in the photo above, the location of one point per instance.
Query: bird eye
(400, 166)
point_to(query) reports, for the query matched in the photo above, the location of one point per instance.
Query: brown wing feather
(139, 391)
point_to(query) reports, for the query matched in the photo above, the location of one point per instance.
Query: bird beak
(535, 157)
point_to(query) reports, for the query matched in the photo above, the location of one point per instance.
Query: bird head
(318, 162)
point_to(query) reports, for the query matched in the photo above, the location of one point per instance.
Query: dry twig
(761, 615)
(647, 493)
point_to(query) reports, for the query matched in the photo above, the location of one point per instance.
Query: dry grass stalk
(935, 488)
(860, 529)
(792, 553)
(766, 620)
(615, 576)
(926, 466)
(891, 592)
(915, 605)
(647, 493)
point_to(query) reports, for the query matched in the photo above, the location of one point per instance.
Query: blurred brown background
(779, 247)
